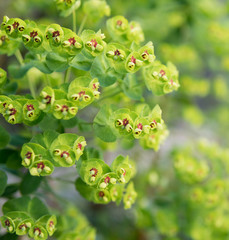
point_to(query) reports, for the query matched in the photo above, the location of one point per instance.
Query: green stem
(31, 87)
(61, 180)
(19, 57)
(67, 75)
(74, 21)
(82, 24)
(47, 80)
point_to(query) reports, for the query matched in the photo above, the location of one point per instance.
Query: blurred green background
(172, 203)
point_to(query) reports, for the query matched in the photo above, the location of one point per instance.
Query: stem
(74, 21)
(67, 75)
(19, 57)
(47, 80)
(82, 24)
(61, 180)
(21, 61)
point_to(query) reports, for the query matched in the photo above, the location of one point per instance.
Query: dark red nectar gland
(23, 226)
(72, 41)
(37, 230)
(101, 194)
(80, 146)
(15, 25)
(119, 23)
(162, 72)
(51, 224)
(64, 154)
(133, 59)
(41, 165)
(140, 126)
(125, 121)
(64, 108)
(48, 98)
(33, 34)
(55, 34)
(107, 179)
(28, 155)
(95, 171)
(13, 111)
(30, 107)
(117, 52)
(94, 42)
(7, 223)
(172, 82)
(81, 93)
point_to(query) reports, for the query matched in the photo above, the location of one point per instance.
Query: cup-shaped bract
(41, 168)
(49, 222)
(96, 9)
(102, 196)
(118, 27)
(108, 180)
(64, 109)
(94, 86)
(38, 232)
(78, 147)
(141, 127)
(161, 79)
(117, 54)
(133, 62)
(15, 27)
(24, 226)
(46, 99)
(93, 43)
(71, 43)
(147, 53)
(130, 196)
(33, 39)
(27, 155)
(31, 111)
(8, 223)
(54, 34)
(63, 155)
(91, 171)
(12, 111)
(135, 32)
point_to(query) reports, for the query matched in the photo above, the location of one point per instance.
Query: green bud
(34, 171)
(110, 54)
(128, 128)
(139, 63)
(99, 47)
(25, 38)
(103, 185)
(131, 65)
(86, 98)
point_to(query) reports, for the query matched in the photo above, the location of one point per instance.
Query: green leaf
(5, 137)
(49, 123)
(3, 182)
(80, 61)
(10, 190)
(101, 125)
(101, 69)
(132, 87)
(29, 184)
(14, 161)
(37, 208)
(17, 204)
(56, 63)
(10, 88)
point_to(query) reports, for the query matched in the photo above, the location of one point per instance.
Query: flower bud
(131, 65)
(99, 47)
(110, 54)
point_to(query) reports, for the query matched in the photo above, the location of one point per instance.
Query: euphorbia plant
(106, 69)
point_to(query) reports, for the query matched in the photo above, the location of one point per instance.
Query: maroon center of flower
(37, 229)
(94, 42)
(48, 98)
(94, 86)
(15, 25)
(125, 121)
(146, 52)
(95, 170)
(64, 108)
(33, 34)
(107, 179)
(4, 104)
(162, 72)
(23, 225)
(140, 126)
(41, 165)
(124, 174)
(13, 111)
(56, 34)
(64, 152)
(117, 52)
(172, 82)
(133, 59)
(7, 223)
(51, 223)
(72, 41)
(101, 194)
(80, 146)
(28, 155)
(82, 93)
(30, 107)
(119, 23)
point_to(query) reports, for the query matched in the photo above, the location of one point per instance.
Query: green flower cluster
(101, 184)
(18, 109)
(123, 31)
(161, 79)
(64, 102)
(67, 7)
(44, 152)
(28, 221)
